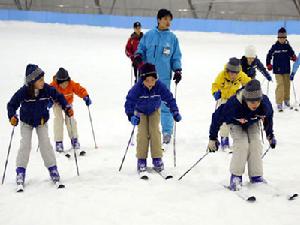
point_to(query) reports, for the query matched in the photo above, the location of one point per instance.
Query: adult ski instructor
(160, 47)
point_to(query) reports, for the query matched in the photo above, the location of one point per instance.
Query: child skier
(250, 63)
(142, 107)
(225, 85)
(64, 85)
(34, 98)
(243, 113)
(132, 45)
(281, 53)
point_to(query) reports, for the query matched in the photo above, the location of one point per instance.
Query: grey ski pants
(45, 146)
(247, 147)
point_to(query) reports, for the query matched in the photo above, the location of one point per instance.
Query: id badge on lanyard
(166, 51)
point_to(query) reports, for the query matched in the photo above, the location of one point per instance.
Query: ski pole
(194, 165)
(295, 96)
(75, 156)
(268, 88)
(131, 135)
(174, 139)
(131, 74)
(91, 121)
(263, 155)
(9, 147)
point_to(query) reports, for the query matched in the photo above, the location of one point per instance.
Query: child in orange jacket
(64, 85)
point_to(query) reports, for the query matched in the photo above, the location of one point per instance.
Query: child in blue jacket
(34, 98)
(243, 112)
(281, 53)
(142, 107)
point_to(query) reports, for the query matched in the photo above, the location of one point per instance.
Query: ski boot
(75, 143)
(224, 143)
(279, 107)
(142, 165)
(20, 175)
(54, 174)
(235, 182)
(167, 138)
(158, 164)
(59, 147)
(257, 179)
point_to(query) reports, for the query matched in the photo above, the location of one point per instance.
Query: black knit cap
(148, 70)
(282, 32)
(252, 91)
(136, 24)
(164, 12)
(62, 75)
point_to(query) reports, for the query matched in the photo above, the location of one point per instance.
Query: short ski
(59, 185)
(242, 194)
(143, 175)
(20, 188)
(164, 174)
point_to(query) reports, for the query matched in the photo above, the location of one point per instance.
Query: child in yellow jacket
(231, 79)
(64, 85)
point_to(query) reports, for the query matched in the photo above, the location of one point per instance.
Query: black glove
(177, 76)
(138, 61)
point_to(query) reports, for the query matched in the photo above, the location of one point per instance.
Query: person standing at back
(132, 45)
(160, 47)
(281, 53)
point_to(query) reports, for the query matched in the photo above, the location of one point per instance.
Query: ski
(59, 185)
(82, 153)
(143, 175)
(164, 174)
(20, 188)
(278, 192)
(242, 194)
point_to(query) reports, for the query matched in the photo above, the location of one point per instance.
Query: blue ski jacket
(296, 65)
(34, 110)
(161, 49)
(146, 101)
(281, 54)
(236, 109)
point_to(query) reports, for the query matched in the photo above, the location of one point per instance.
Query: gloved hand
(272, 141)
(217, 95)
(294, 58)
(87, 100)
(177, 76)
(213, 146)
(14, 120)
(50, 104)
(292, 76)
(138, 61)
(269, 78)
(135, 120)
(177, 117)
(269, 67)
(69, 111)
(132, 58)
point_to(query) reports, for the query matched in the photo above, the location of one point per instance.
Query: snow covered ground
(95, 57)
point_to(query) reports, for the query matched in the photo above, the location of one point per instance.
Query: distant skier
(295, 68)
(34, 98)
(64, 85)
(132, 45)
(250, 63)
(160, 47)
(243, 113)
(225, 85)
(142, 107)
(281, 53)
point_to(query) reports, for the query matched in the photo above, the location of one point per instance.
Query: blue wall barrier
(184, 24)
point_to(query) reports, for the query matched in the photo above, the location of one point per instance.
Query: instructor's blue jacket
(161, 49)
(235, 109)
(34, 110)
(146, 101)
